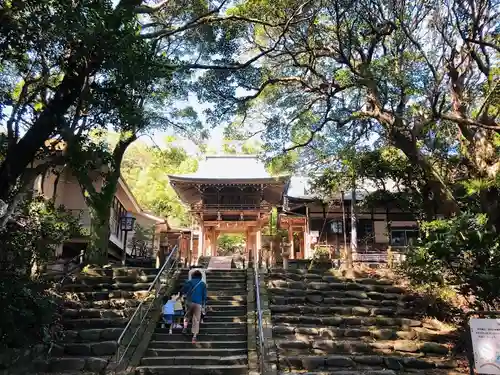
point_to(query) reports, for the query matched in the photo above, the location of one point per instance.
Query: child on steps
(173, 312)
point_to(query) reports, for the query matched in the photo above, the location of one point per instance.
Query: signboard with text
(485, 334)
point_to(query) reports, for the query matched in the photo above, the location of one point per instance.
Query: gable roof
(229, 168)
(300, 188)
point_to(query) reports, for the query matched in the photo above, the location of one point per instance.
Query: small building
(317, 223)
(65, 190)
(229, 194)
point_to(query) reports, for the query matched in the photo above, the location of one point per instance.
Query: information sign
(485, 334)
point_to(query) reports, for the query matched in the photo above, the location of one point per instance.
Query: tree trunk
(97, 249)
(23, 153)
(446, 204)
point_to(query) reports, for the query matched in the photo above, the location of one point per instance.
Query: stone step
(193, 370)
(336, 286)
(345, 321)
(387, 333)
(121, 271)
(318, 299)
(106, 294)
(327, 277)
(98, 313)
(230, 297)
(135, 279)
(105, 287)
(114, 303)
(289, 293)
(235, 312)
(209, 330)
(77, 324)
(343, 372)
(211, 301)
(375, 371)
(210, 276)
(169, 342)
(72, 365)
(341, 310)
(215, 284)
(321, 346)
(211, 318)
(88, 335)
(100, 348)
(216, 325)
(195, 351)
(177, 336)
(227, 307)
(96, 280)
(361, 362)
(226, 285)
(197, 360)
(226, 292)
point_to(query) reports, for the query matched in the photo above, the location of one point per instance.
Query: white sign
(314, 233)
(485, 335)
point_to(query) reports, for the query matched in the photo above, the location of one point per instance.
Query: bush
(463, 253)
(28, 308)
(33, 234)
(28, 315)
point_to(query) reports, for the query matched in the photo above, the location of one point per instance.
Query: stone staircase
(97, 307)
(222, 342)
(324, 324)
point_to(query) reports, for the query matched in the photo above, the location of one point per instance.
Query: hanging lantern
(127, 222)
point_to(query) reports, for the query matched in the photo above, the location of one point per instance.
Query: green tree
(146, 171)
(62, 81)
(230, 243)
(54, 70)
(420, 77)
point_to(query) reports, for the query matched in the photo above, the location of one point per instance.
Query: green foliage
(146, 171)
(406, 76)
(28, 315)
(229, 244)
(141, 241)
(30, 240)
(463, 252)
(33, 235)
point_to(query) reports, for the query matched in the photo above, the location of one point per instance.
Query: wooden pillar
(247, 245)
(216, 237)
(290, 241)
(307, 237)
(201, 241)
(208, 243)
(258, 245)
(213, 242)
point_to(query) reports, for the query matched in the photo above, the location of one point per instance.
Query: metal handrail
(142, 311)
(260, 323)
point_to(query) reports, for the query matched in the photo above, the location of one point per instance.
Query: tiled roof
(229, 167)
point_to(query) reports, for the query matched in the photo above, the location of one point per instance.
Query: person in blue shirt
(172, 312)
(195, 291)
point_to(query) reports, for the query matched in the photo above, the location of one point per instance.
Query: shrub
(462, 252)
(28, 315)
(28, 308)
(33, 234)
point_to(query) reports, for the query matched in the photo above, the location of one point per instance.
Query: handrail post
(141, 312)
(260, 333)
